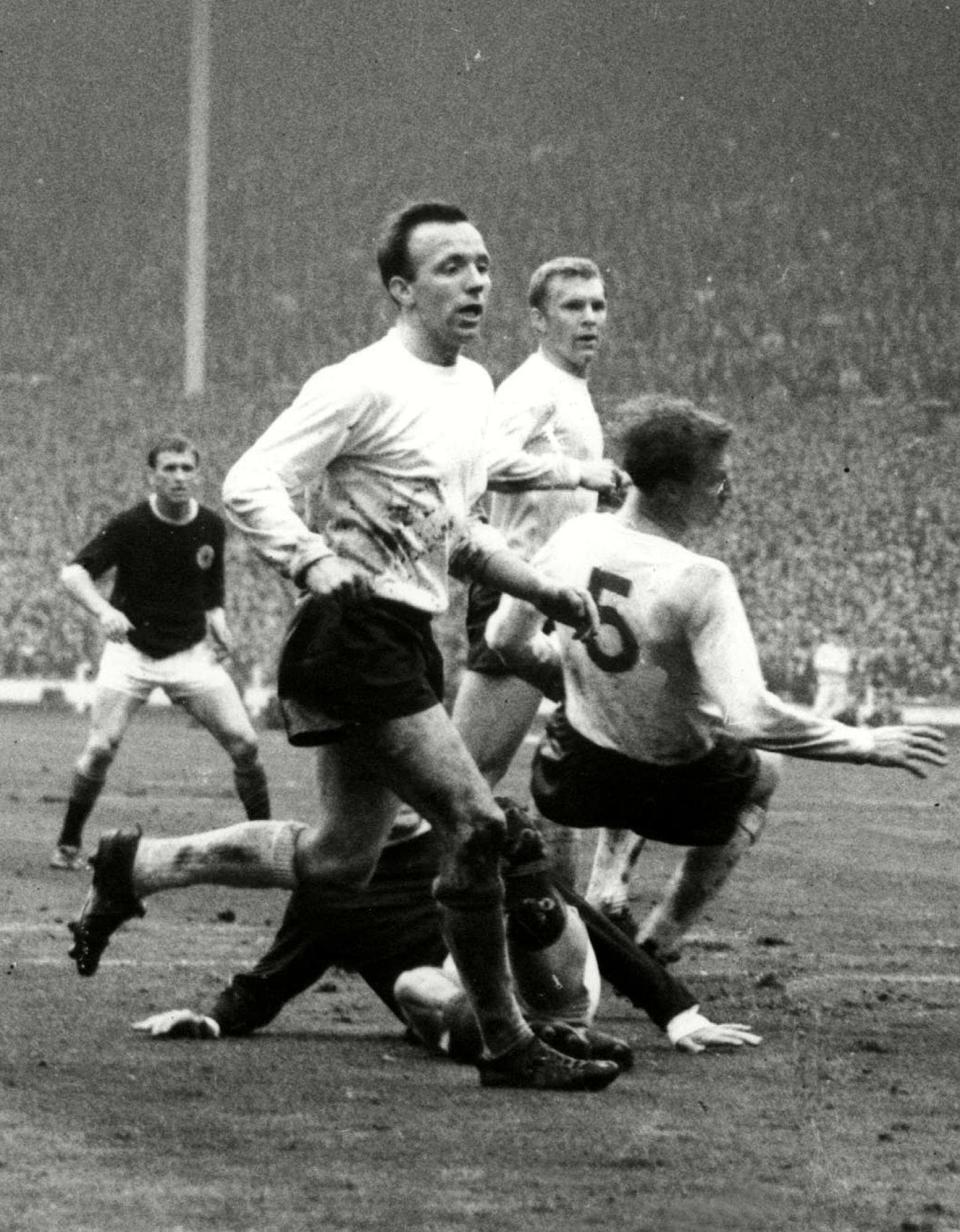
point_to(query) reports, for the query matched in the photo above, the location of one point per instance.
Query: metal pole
(198, 173)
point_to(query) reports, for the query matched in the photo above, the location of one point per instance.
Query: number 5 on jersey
(625, 656)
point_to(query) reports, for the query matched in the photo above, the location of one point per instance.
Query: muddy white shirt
(540, 409)
(403, 450)
(675, 661)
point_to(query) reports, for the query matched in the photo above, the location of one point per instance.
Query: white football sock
(252, 854)
(613, 863)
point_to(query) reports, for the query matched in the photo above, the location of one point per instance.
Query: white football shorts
(184, 674)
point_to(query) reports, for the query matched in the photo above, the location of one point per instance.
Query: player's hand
(913, 747)
(222, 650)
(603, 476)
(220, 635)
(569, 605)
(331, 577)
(716, 1035)
(114, 624)
(179, 1024)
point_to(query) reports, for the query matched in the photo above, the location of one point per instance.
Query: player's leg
(110, 715)
(703, 871)
(425, 758)
(296, 959)
(428, 765)
(608, 888)
(438, 1013)
(493, 715)
(630, 971)
(559, 985)
(355, 815)
(493, 711)
(551, 958)
(220, 709)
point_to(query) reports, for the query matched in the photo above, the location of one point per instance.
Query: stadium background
(771, 191)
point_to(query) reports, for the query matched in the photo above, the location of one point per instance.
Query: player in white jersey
(400, 434)
(667, 729)
(543, 406)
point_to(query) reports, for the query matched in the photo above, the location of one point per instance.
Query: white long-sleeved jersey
(675, 661)
(404, 450)
(540, 409)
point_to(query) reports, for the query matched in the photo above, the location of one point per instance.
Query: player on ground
(401, 435)
(165, 628)
(543, 406)
(667, 729)
(390, 934)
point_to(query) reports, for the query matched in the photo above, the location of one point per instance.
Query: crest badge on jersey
(205, 555)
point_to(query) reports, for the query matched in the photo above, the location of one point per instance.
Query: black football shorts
(577, 783)
(343, 666)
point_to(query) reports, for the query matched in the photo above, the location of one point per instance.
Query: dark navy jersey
(168, 575)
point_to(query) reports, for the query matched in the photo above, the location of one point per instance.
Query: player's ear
(401, 291)
(538, 322)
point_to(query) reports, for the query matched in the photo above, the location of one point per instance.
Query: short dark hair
(393, 255)
(173, 442)
(558, 267)
(667, 438)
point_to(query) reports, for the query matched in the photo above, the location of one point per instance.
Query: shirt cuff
(685, 1023)
(309, 555)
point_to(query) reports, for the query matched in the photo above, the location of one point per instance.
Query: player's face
(442, 305)
(174, 480)
(709, 490)
(571, 323)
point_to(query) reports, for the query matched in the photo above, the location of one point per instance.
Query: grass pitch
(837, 938)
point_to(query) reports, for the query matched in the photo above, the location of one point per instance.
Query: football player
(402, 438)
(165, 627)
(390, 934)
(667, 729)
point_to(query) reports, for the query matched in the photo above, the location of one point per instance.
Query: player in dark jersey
(390, 935)
(165, 628)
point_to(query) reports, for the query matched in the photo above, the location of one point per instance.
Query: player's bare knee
(475, 825)
(244, 752)
(469, 875)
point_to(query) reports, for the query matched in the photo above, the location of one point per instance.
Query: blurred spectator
(833, 663)
(810, 292)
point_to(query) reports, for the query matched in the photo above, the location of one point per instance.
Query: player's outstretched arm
(692, 1032)
(913, 747)
(179, 1024)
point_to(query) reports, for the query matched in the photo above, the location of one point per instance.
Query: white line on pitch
(169, 963)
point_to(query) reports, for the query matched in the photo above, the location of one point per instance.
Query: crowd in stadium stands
(818, 314)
